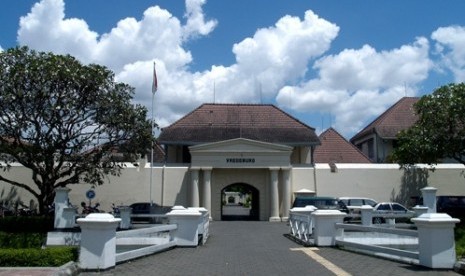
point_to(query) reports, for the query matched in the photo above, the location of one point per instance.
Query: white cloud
(281, 53)
(196, 20)
(46, 29)
(450, 44)
(352, 85)
(357, 84)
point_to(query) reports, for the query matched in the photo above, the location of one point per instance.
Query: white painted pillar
(325, 231)
(429, 198)
(98, 241)
(125, 215)
(274, 195)
(64, 214)
(187, 220)
(206, 190)
(366, 212)
(436, 243)
(286, 194)
(195, 187)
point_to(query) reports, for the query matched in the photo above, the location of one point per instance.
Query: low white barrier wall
(186, 227)
(431, 245)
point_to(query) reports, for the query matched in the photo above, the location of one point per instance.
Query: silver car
(390, 210)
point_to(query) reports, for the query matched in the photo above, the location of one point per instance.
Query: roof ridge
(292, 117)
(346, 142)
(382, 117)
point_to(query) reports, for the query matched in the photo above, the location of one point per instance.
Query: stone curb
(459, 266)
(69, 269)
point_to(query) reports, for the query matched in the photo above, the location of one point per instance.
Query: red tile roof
(398, 117)
(335, 148)
(217, 122)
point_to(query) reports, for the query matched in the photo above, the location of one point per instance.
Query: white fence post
(65, 215)
(325, 229)
(125, 215)
(98, 241)
(187, 220)
(366, 211)
(420, 210)
(429, 198)
(436, 240)
(203, 223)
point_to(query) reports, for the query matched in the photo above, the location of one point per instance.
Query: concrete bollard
(187, 221)
(125, 215)
(366, 211)
(420, 210)
(436, 240)
(325, 231)
(429, 198)
(64, 215)
(98, 241)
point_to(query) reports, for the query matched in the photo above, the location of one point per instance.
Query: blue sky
(328, 63)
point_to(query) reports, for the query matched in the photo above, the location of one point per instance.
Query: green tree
(439, 132)
(67, 122)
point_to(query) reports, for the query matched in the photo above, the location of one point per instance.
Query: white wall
(382, 182)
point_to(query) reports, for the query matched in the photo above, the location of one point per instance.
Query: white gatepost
(125, 215)
(187, 220)
(98, 241)
(203, 223)
(366, 212)
(65, 216)
(325, 229)
(436, 243)
(429, 198)
(420, 210)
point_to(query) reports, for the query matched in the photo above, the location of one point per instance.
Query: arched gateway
(240, 201)
(256, 169)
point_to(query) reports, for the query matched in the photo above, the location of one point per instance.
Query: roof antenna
(260, 90)
(214, 91)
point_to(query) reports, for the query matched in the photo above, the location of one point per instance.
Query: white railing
(391, 243)
(145, 241)
(325, 228)
(301, 227)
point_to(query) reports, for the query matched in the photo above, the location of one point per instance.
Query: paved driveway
(259, 248)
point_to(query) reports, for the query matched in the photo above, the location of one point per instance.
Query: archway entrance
(239, 201)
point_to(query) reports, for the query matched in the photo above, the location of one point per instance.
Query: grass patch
(37, 257)
(460, 241)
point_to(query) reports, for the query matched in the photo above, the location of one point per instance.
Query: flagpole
(154, 89)
(151, 154)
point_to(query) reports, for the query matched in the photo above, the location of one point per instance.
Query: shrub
(32, 224)
(460, 241)
(53, 256)
(22, 240)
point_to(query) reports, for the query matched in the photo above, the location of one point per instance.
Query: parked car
(454, 206)
(141, 208)
(354, 204)
(326, 203)
(390, 208)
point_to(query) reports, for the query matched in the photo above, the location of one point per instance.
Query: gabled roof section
(240, 145)
(217, 122)
(398, 117)
(335, 148)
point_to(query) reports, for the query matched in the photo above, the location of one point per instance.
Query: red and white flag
(155, 81)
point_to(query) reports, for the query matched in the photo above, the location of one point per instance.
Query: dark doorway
(239, 201)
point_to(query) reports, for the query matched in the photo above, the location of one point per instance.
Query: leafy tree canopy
(65, 121)
(440, 130)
